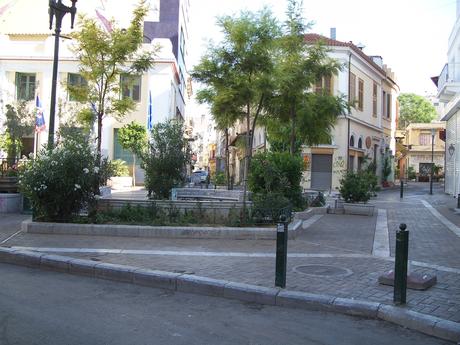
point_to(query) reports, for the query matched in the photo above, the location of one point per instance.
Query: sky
(410, 35)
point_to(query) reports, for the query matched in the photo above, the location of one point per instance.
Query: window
(384, 103)
(119, 152)
(324, 85)
(360, 94)
(360, 143)
(131, 87)
(352, 141)
(74, 79)
(424, 139)
(388, 105)
(352, 88)
(25, 86)
(374, 100)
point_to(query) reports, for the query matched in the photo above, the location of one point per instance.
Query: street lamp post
(433, 132)
(58, 10)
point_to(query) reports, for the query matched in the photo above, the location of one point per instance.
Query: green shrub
(357, 187)
(61, 182)
(279, 173)
(219, 179)
(411, 174)
(165, 159)
(120, 168)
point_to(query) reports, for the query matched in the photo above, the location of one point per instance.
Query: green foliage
(414, 109)
(386, 168)
(18, 123)
(279, 173)
(358, 187)
(268, 207)
(119, 167)
(298, 66)
(165, 159)
(411, 174)
(60, 182)
(133, 137)
(103, 56)
(237, 72)
(219, 179)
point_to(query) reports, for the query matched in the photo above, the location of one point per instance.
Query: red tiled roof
(314, 38)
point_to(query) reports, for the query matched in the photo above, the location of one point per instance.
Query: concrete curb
(254, 233)
(423, 323)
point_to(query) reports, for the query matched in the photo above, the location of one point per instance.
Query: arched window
(360, 143)
(352, 141)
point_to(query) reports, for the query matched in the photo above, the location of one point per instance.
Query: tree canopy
(104, 56)
(414, 109)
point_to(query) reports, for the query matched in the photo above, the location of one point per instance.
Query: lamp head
(73, 11)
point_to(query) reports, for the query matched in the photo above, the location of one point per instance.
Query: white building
(26, 56)
(448, 83)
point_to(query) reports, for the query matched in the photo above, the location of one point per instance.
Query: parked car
(199, 177)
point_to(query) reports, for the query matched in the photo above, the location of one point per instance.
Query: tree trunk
(293, 135)
(246, 160)
(99, 137)
(227, 159)
(134, 170)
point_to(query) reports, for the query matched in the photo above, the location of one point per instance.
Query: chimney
(334, 32)
(377, 59)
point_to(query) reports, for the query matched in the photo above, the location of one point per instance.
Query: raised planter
(359, 209)
(10, 203)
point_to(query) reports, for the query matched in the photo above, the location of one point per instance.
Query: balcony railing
(443, 77)
(449, 74)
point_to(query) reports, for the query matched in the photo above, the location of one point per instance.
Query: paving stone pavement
(340, 244)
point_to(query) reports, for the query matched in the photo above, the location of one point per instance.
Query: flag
(149, 113)
(39, 118)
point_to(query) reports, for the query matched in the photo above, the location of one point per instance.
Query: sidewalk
(333, 257)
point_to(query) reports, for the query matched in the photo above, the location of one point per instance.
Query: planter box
(359, 209)
(10, 203)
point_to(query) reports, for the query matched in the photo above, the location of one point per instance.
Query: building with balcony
(448, 83)
(26, 58)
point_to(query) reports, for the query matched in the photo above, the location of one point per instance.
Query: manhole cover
(323, 270)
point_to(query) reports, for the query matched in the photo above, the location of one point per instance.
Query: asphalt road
(39, 307)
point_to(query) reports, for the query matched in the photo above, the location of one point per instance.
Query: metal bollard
(458, 201)
(281, 252)
(401, 191)
(400, 279)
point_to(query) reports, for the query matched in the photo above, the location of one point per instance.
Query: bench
(206, 194)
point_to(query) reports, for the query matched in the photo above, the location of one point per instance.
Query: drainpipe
(349, 113)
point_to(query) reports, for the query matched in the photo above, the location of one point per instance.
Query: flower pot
(359, 209)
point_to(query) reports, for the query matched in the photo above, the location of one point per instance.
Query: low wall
(10, 203)
(211, 212)
(204, 194)
(243, 233)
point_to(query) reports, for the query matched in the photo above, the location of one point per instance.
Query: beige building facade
(366, 133)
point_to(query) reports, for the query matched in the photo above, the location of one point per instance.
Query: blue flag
(149, 113)
(39, 118)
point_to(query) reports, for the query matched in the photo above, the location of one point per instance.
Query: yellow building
(423, 146)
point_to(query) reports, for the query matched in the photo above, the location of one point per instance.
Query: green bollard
(400, 279)
(401, 192)
(281, 252)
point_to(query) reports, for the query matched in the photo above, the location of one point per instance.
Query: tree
(18, 123)
(237, 73)
(300, 66)
(133, 137)
(104, 56)
(165, 158)
(414, 109)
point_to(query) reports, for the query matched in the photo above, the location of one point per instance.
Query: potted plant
(356, 189)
